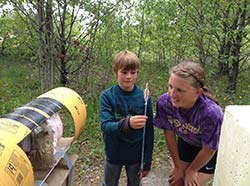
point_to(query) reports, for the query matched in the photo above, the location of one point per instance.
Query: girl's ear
(199, 91)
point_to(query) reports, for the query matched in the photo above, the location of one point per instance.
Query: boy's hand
(143, 173)
(138, 121)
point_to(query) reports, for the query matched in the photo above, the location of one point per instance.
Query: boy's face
(126, 79)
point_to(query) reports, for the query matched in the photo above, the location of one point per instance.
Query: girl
(189, 112)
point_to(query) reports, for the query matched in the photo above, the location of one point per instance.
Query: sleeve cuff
(124, 125)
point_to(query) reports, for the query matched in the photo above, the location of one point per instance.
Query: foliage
(15, 38)
(214, 33)
(161, 32)
(19, 85)
(18, 82)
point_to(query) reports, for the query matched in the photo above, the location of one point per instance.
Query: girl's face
(126, 79)
(182, 93)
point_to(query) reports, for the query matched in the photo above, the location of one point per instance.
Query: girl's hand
(176, 177)
(191, 178)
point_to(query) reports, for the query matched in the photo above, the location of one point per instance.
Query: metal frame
(59, 155)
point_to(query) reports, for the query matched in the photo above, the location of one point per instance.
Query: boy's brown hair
(125, 60)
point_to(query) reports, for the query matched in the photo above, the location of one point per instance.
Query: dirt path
(92, 176)
(157, 177)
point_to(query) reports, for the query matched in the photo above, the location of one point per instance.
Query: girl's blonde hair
(125, 60)
(195, 72)
(190, 70)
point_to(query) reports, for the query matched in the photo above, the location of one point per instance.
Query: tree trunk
(235, 53)
(46, 45)
(225, 46)
(141, 33)
(63, 50)
(223, 58)
(50, 45)
(41, 45)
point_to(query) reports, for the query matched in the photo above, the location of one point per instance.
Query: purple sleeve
(162, 112)
(211, 127)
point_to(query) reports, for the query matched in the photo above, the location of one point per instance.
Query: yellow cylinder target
(73, 102)
(15, 167)
(13, 130)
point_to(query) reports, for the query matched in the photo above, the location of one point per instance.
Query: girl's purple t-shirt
(199, 125)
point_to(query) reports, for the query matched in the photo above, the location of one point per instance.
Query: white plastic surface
(233, 161)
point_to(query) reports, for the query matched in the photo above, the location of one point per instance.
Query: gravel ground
(157, 177)
(92, 176)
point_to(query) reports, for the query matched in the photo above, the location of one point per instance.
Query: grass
(19, 85)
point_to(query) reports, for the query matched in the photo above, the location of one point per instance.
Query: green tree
(233, 39)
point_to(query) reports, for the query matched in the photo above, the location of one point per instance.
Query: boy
(122, 121)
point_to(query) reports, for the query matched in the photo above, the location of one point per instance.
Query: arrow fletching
(146, 93)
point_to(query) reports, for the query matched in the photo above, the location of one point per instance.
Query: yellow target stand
(15, 167)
